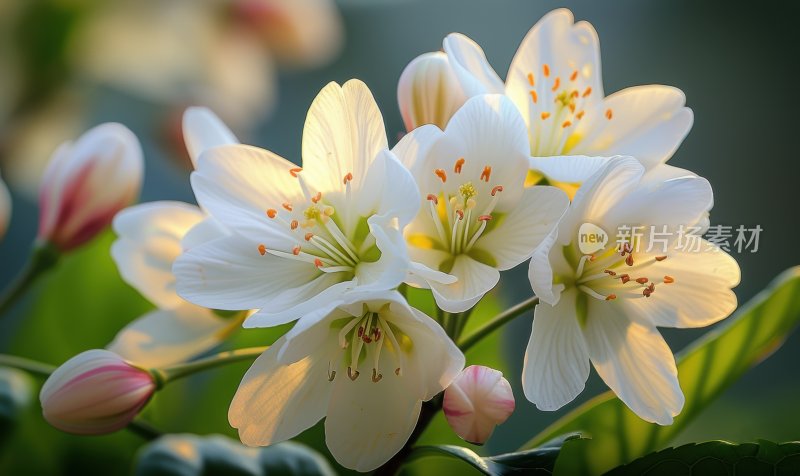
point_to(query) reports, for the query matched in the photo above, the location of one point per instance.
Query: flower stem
(31, 366)
(496, 322)
(166, 375)
(43, 257)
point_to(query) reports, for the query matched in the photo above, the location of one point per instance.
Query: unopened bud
(478, 400)
(94, 393)
(5, 208)
(429, 92)
(86, 183)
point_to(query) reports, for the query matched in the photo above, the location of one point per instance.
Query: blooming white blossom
(150, 237)
(428, 91)
(479, 399)
(605, 306)
(300, 237)
(555, 81)
(87, 183)
(365, 363)
(476, 217)
(94, 393)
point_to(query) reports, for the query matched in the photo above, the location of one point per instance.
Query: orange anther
(660, 258)
(530, 79)
(609, 114)
(669, 279)
(574, 75)
(487, 172)
(318, 263)
(441, 174)
(287, 206)
(262, 250)
(546, 69)
(498, 188)
(580, 114)
(534, 96)
(609, 272)
(556, 84)
(293, 225)
(484, 218)
(309, 236)
(625, 278)
(460, 214)
(295, 171)
(642, 280)
(347, 178)
(571, 107)
(629, 260)
(611, 297)
(272, 213)
(566, 124)
(433, 198)
(459, 164)
(296, 250)
(587, 91)
(316, 198)
(545, 115)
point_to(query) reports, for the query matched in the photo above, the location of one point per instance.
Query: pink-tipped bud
(5, 208)
(428, 91)
(86, 183)
(478, 400)
(94, 393)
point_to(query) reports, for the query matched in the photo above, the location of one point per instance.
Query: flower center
(362, 340)
(317, 236)
(617, 272)
(461, 218)
(560, 103)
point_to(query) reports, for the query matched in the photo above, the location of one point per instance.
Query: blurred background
(66, 65)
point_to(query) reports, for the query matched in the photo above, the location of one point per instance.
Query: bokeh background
(68, 65)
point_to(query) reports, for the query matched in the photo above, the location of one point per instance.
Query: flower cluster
(490, 175)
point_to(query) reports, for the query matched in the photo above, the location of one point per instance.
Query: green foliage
(216, 455)
(705, 370)
(537, 461)
(718, 458)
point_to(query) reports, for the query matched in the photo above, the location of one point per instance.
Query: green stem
(166, 375)
(496, 322)
(31, 366)
(43, 258)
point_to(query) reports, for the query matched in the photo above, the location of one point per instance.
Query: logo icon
(591, 238)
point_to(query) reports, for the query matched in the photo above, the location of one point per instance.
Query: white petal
(474, 280)
(557, 359)
(635, 362)
(701, 294)
(525, 227)
(149, 241)
(207, 230)
(470, 66)
(165, 337)
(415, 146)
(439, 360)
(367, 423)
(489, 132)
(568, 168)
(391, 191)
(276, 402)
(202, 130)
(600, 193)
(293, 303)
(236, 184)
(563, 46)
(419, 275)
(649, 123)
(343, 134)
(540, 271)
(229, 273)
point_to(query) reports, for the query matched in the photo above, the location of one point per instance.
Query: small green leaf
(530, 462)
(721, 458)
(705, 370)
(217, 455)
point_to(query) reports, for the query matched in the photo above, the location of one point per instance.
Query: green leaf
(721, 458)
(705, 370)
(192, 455)
(529, 462)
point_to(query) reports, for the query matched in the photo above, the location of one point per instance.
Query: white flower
(428, 91)
(606, 306)
(366, 364)
(479, 399)
(151, 237)
(94, 393)
(302, 237)
(476, 217)
(87, 183)
(555, 81)
(5, 208)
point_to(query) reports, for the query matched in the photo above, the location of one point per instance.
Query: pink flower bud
(429, 92)
(5, 208)
(478, 400)
(94, 393)
(86, 183)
